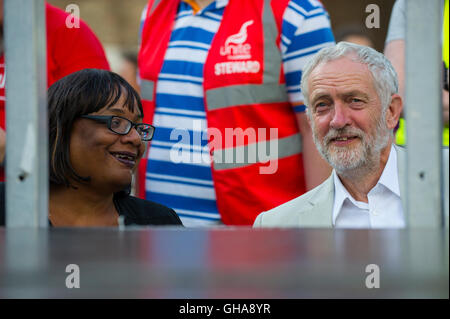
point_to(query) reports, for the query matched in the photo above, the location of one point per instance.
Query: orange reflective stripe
(235, 95)
(245, 155)
(147, 88)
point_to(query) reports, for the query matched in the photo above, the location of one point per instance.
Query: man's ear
(394, 111)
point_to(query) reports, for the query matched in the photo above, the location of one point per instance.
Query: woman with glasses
(96, 142)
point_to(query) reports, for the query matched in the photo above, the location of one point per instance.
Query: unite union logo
(236, 48)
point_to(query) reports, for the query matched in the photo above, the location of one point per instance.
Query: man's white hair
(383, 74)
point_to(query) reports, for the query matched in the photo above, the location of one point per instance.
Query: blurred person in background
(68, 50)
(353, 33)
(395, 52)
(211, 66)
(129, 69)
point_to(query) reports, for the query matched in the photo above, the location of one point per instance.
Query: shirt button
(375, 213)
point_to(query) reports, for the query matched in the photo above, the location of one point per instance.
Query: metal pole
(424, 113)
(26, 114)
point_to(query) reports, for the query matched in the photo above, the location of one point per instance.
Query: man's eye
(357, 103)
(320, 107)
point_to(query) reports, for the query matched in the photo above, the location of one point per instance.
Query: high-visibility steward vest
(445, 35)
(445, 48)
(244, 90)
(400, 136)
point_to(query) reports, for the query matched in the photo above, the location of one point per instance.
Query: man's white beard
(364, 156)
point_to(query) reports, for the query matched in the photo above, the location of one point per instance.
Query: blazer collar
(320, 211)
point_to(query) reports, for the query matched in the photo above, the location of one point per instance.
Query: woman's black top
(143, 212)
(136, 211)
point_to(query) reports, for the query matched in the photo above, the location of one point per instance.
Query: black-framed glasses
(122, 126)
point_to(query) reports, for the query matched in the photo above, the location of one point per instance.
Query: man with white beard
(353, 106)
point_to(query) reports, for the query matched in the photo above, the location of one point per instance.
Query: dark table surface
(223, 263)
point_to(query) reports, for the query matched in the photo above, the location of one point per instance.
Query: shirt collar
(221, 3)
(340, 195)
(218, 3)
(388, 178)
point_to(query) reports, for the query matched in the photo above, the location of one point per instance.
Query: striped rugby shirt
(180, 116)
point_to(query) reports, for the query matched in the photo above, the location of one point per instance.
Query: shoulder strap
(152, 4)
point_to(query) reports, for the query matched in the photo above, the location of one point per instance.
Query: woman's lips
(126, 158)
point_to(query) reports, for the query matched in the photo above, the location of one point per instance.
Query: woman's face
(108, 158)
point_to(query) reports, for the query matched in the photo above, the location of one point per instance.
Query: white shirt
(384, 208)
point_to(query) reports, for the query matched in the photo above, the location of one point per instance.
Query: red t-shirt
(68, 50)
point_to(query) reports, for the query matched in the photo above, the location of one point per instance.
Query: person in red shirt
(68, 50)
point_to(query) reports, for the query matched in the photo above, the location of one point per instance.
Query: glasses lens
(120, 125)
(145, 131)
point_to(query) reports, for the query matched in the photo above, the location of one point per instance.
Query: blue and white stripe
(184, 185)
(305, 30)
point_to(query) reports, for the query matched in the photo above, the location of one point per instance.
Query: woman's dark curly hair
(77, 94)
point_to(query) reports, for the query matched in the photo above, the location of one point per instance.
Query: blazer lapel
(319, 214)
